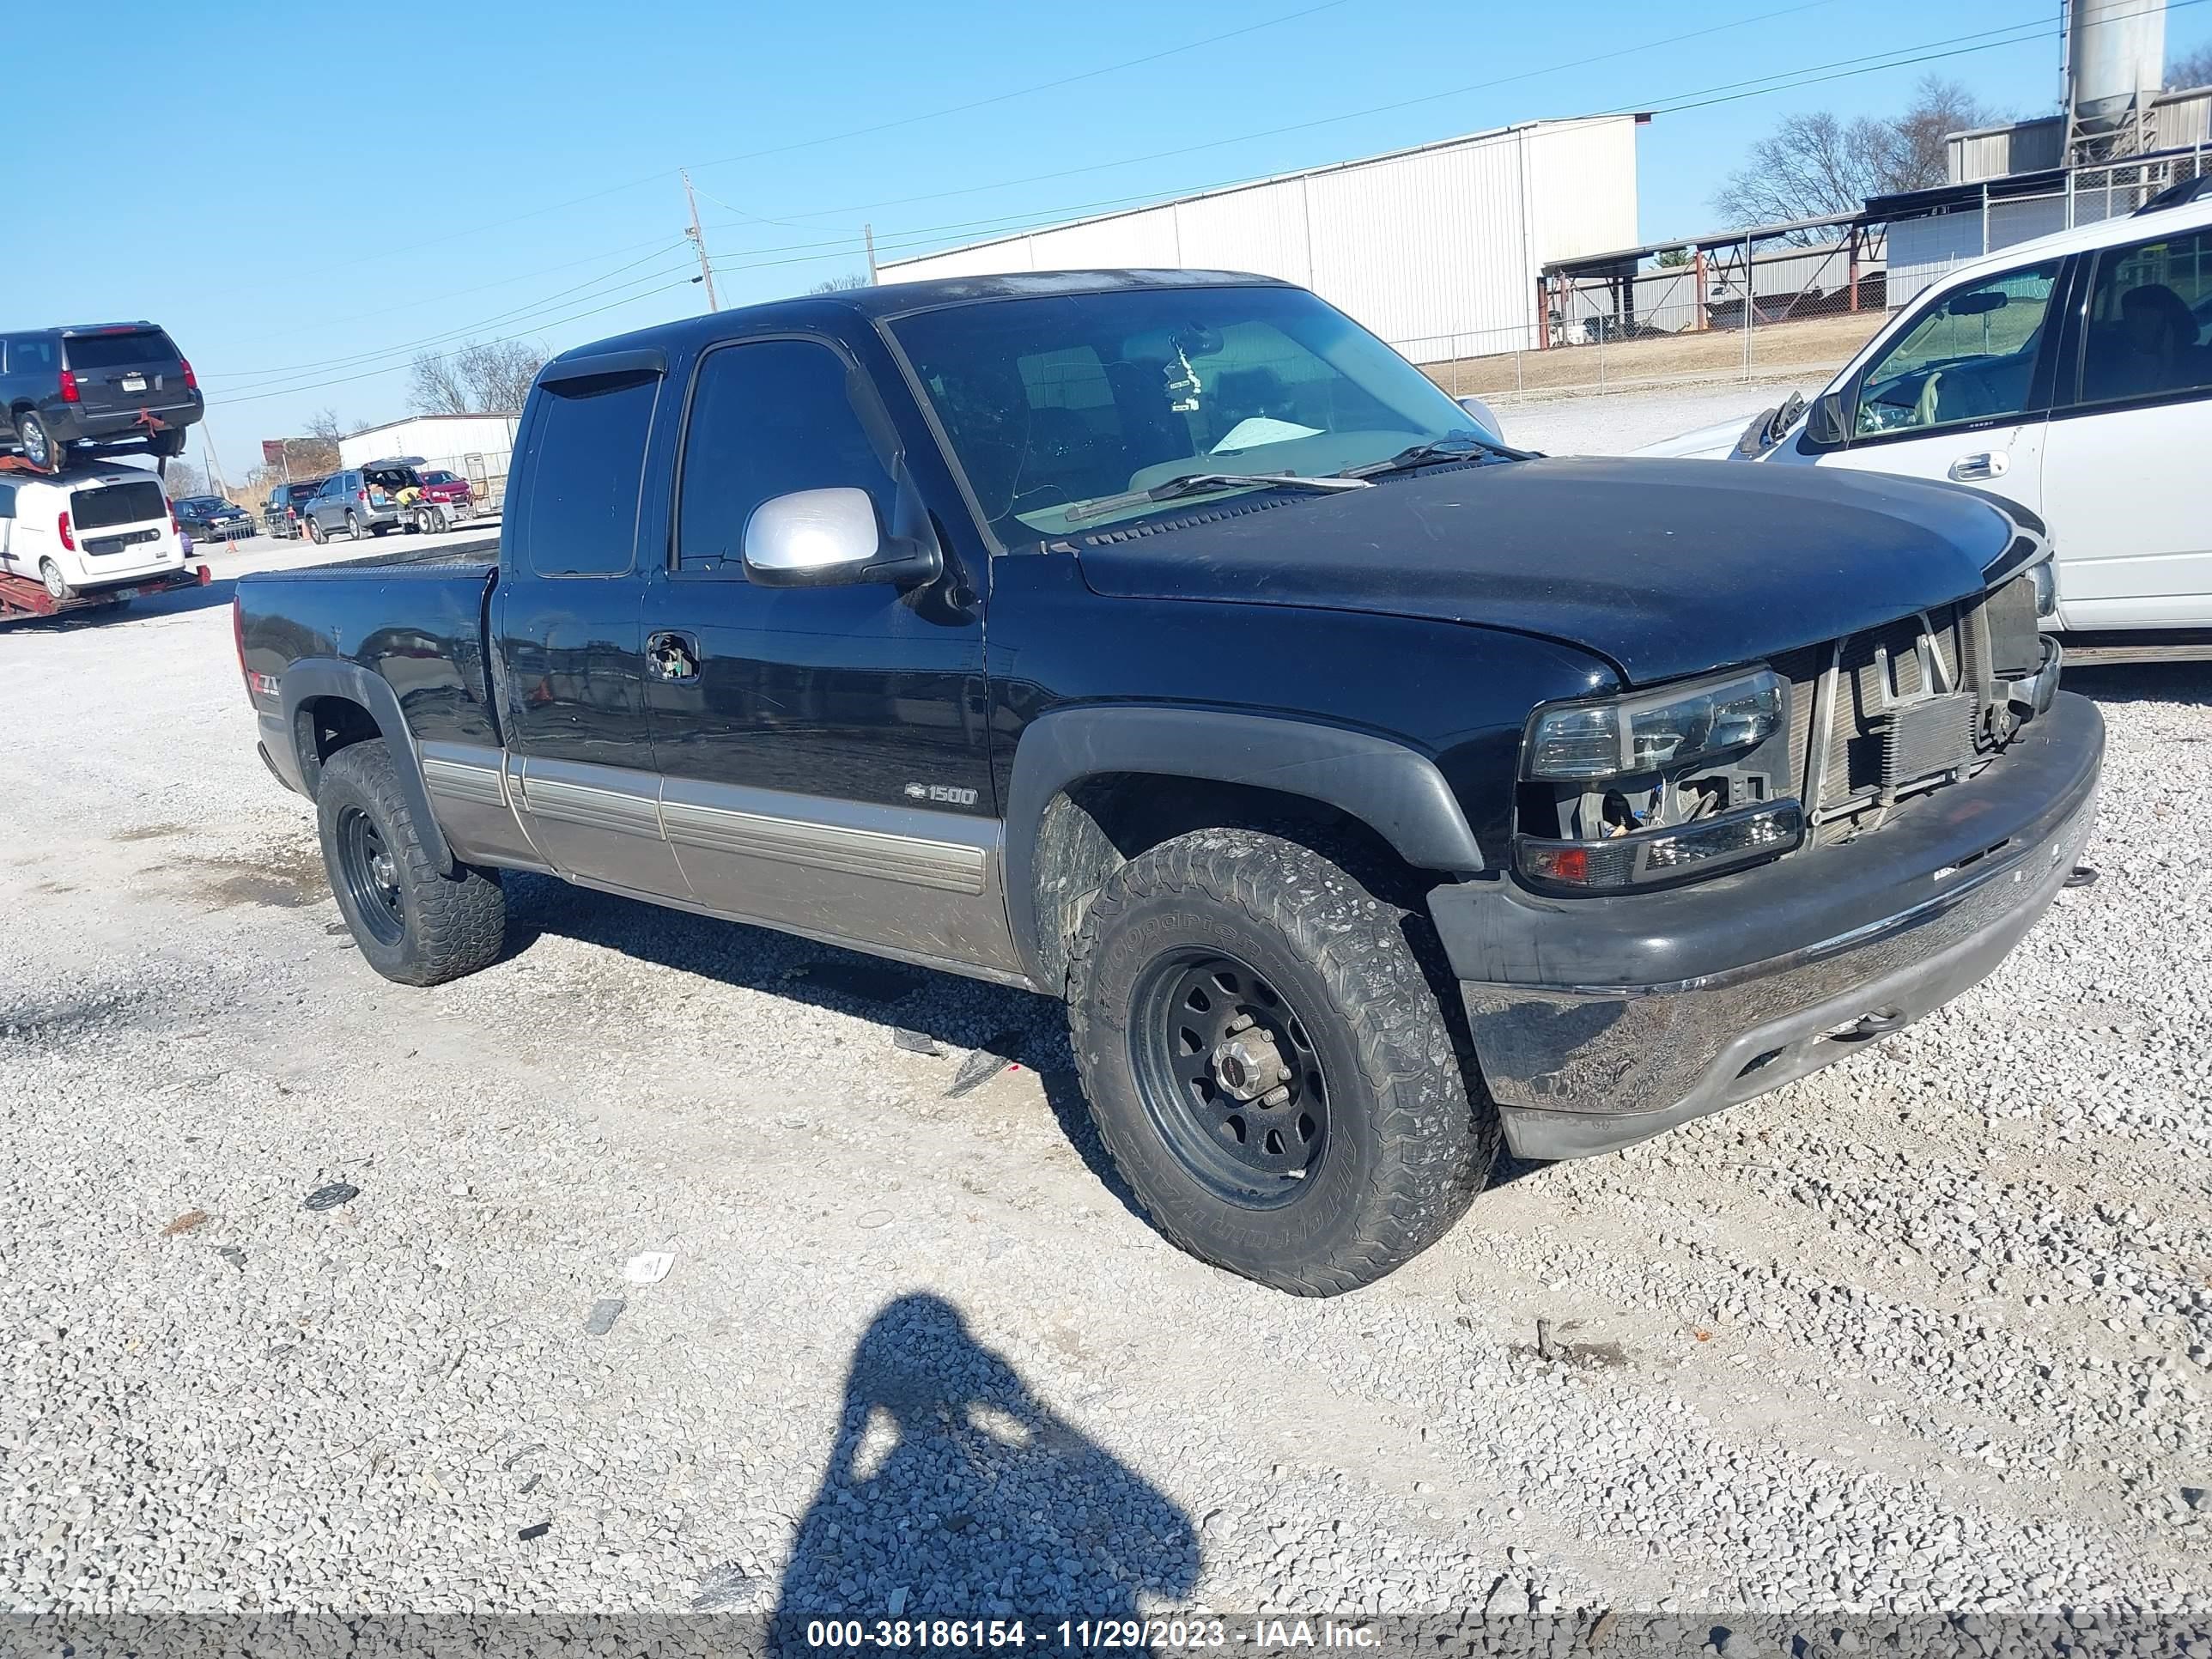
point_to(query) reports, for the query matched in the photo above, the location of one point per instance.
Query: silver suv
(361, 501)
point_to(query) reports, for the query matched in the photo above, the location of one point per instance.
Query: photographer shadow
(952, 1492)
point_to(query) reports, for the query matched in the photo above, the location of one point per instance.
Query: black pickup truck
(1163, 642)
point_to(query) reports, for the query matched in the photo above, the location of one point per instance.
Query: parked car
(1367, 788)
(64, 392)
(212, 518)
(361, 500)
(92, 527)
(280, 514)
(447, 489)
(2073, 376)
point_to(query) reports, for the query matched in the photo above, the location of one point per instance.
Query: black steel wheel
(416, 918)
(1269, 1063)
(1229, 1077)
(371, 876)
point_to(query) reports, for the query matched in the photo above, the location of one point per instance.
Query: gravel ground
(1928, 1330)
(1625, 421)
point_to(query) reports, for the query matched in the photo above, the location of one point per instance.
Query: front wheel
(1268, 1065)
(416, 924)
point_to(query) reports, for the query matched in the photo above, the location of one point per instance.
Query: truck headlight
(1655, 732)
(1658, 787)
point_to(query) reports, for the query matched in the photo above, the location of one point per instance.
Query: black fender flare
(1396, 790)
(327, 676)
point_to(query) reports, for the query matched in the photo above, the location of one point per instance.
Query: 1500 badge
(941, 792)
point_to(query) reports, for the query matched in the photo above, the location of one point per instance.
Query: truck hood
(1664, 567)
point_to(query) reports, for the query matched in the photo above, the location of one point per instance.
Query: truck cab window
(586, 473)
(767, 419)
(2148, 320)
(1970, 356)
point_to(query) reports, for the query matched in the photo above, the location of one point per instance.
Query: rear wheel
(353, 528)
(57, 587)
(414, 924)
(1268, 1065)
(39, 447)
(166, 444)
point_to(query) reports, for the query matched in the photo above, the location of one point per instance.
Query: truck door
(823, 750)
(570, 676)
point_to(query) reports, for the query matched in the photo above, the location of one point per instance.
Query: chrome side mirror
(828, 539)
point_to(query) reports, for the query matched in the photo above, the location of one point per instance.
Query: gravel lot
(1928, 1330)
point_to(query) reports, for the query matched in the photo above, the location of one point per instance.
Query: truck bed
(414, 618)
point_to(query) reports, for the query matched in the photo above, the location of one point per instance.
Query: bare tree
(2191, 69)
(181, 478)
(433, 385)
(1815, 165)
(488, 377)
(838, 284)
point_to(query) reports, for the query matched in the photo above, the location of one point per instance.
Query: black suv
(104, 386)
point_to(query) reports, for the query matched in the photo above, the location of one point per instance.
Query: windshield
(1056, 402)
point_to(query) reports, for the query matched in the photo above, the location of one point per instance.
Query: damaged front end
(1720, 885)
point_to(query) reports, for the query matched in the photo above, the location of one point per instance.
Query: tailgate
(124, 369)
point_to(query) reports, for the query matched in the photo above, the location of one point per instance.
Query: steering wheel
(1924, 410)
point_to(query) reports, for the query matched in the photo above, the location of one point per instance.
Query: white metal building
(1436, 248)
(476, 447)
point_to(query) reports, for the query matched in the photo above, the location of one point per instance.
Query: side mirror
(829, 539)
(1484, 418)
(1825, 425)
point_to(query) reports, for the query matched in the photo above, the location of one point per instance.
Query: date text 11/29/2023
(1084, 1635)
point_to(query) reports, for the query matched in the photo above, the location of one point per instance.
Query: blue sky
(311, 194)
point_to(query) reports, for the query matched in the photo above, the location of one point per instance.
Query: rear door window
(2150, 319)
(586, 473)
(7, 500)
(31, 355)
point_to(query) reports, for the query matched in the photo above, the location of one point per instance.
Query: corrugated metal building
(475, 446)
(1436, 248)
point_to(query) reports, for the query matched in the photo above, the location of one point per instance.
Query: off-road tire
(1411, 1133)
(454, 924)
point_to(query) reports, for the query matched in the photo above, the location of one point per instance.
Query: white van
(89, 528)
(2072, 374)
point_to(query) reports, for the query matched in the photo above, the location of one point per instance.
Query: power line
(1024, 91)
(827, 138)
(662, 248)
(274, 378)
(1784, 81)
(370, 374)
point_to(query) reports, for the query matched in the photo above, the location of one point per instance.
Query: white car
(90, 528)
(2072, 374)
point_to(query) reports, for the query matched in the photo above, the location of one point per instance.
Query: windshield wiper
(1197, 484)
(1452, 446)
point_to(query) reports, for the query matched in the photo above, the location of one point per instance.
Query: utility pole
(705, 271)
(869, 233)
(215, 464)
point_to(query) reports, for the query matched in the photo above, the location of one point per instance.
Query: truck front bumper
(1601, 1021)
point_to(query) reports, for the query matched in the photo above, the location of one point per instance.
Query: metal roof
(1598, 264)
